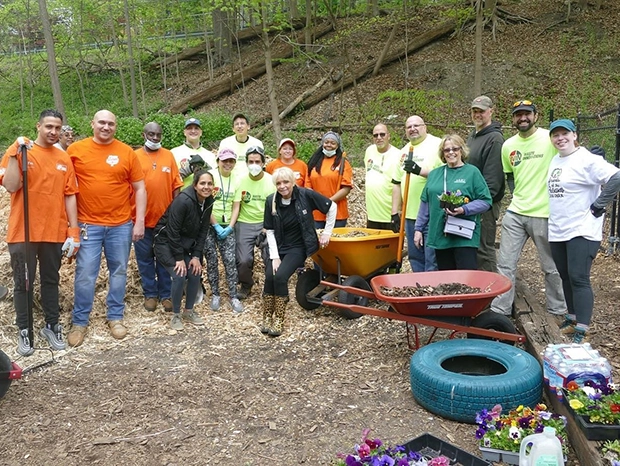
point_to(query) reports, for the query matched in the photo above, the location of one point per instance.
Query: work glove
(597, 211)
(72, 244)
(396, 223)
(225, 232)
(261, 239)
(218, 229)
(411, 167)
(20, 142)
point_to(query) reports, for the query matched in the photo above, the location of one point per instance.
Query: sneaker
(200, 296)
(150, 304)
(215, 303)
(568, 327)
(244, 292)
(76, 336)
(53, 335)
(167, 303)
(117, 329)
(23, 343)
(580, 337)
(236, 305)
(192, 317)
(176, 323)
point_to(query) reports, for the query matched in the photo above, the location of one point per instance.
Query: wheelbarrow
(9, 371)
(349, 261)
(462, 313)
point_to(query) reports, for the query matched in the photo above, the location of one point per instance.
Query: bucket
(546, 449)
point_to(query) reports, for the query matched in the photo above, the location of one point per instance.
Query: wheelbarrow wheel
(490, 320)
(5, 366)
(344, 297)
(306, 282)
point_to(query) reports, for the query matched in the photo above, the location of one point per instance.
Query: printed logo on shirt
(166, 169)
(460, 181)
(112, 160)
(217, 193)
(297, 175)
(515, 158)
(554, 187)
(61, 167)
(246, 196)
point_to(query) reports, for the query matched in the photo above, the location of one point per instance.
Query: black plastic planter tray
(591, 430)
(431, 447)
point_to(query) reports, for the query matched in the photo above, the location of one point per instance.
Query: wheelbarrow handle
(350, 289)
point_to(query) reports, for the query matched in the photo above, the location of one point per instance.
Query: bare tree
(478, 40)
(132, 67)
(51, 56)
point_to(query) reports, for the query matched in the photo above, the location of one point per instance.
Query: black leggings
(464, 258)
(573, 259)
(277, 284)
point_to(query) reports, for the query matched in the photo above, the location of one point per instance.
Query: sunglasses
(451, 149)
(522, 102)
(379, 135)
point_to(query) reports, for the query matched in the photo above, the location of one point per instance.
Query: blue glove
(218, 229)
(225, 232)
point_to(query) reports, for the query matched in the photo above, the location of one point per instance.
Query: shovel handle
(403, 215)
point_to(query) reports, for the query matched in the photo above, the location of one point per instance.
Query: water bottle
(546, 449)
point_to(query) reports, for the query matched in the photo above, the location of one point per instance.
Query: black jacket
(485, 153)
(305, 202)
(183, 228)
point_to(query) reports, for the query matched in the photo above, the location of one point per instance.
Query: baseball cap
(563, 123)
(192, 121)
(226, 154)
(289, 140)
(523, 105)
(483, 103)
(240, 115)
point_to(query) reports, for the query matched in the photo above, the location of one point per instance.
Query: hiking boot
(244, 292)
(117, 329)
(215, 303)
(176, 323)
(236, 305)
(192, 317)
(167, 303)
(567, 327)
(580, 337)
(24, 346)
(76, 336)
(150, 304)
(53, 335)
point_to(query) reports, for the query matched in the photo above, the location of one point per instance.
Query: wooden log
(228, 84)
(540, 328)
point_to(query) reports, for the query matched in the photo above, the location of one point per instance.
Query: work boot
(236, 305)
(167, 303)
(244, 291)
(279, 313)
(76, 336)
(268, 309)
(215, 303)
(150, 304)
(24, 345)
(53, 335)
(117, 329)
(568, 327)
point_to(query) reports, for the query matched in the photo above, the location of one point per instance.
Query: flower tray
(591, 430)
(432, 447)
(495, 456)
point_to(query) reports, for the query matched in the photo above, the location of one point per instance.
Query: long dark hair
(317, 159)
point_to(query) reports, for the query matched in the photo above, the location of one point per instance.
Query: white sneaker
(237, 306)
(215, 303)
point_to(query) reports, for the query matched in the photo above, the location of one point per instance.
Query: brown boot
(268, 308)
(279, 313)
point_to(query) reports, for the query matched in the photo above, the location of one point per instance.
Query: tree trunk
(308, 29)
(271, 91)
(384, 52)
(51, 57)
(478, 41)
(132, 66)
(221, 34)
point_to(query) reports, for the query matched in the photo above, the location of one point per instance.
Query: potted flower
(452, 199)
(596, 408)
(500, 434)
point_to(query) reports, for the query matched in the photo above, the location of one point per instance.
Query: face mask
(329, 153)
(255, 169)
(152, 145)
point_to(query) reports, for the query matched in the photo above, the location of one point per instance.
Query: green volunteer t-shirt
(253, 197)
(379, 169)
(528, 159)
(225, 192)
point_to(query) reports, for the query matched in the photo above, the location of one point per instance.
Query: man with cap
(192, 146)
(162, 183)
(380, 161)
(485, 153)
(65, 138)
(525, 158)
(255, 187)
(240, 142)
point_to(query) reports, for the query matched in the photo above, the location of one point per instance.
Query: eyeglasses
(379, 135)
(447, 150)
(522, 102)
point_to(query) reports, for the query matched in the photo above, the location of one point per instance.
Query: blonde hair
(455, 139)
(283, 173)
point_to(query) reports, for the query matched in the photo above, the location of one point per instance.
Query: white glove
(72, 244)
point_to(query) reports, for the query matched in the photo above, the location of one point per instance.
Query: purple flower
(405, 462)
(384, 460)
(524, 422)
(480, 433)
(351, 460)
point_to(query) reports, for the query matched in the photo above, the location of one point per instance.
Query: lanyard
(224, 195)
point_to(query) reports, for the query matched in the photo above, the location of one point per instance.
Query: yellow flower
(576, 404)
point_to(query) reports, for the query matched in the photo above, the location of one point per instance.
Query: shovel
(403, 216)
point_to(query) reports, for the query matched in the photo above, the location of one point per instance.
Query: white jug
(546, 449)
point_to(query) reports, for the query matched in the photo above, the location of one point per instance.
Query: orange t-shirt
(161, 178)
(105, 173)
(299, 167)
(326, 183)
(50, 178)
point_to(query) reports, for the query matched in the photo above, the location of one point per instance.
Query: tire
(456, 379)
(349, 298)
(5, 366)
(306, 282)
(492, 321)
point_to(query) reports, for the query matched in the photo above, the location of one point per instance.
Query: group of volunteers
(182, 205)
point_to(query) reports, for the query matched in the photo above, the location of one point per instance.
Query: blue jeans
(155, 278)
(178, 285)
(115, 242)
(421, 260)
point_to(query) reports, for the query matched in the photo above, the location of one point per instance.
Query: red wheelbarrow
(9, 371)
(463, 313)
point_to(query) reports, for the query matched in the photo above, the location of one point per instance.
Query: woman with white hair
(292, 238)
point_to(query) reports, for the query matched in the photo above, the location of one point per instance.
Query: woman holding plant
(457, 190)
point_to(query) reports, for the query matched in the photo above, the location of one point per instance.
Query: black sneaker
(53, 335)
(24, 346)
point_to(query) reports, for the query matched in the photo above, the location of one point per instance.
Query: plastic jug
(546, 449)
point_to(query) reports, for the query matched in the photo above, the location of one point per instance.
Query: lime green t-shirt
(240, 148)
(253, 196)
(379, 169)
(226, 191)
(528, 159)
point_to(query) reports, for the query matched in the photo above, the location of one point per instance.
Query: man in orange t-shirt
(51, 188)
(107, 172)
(162, 182)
